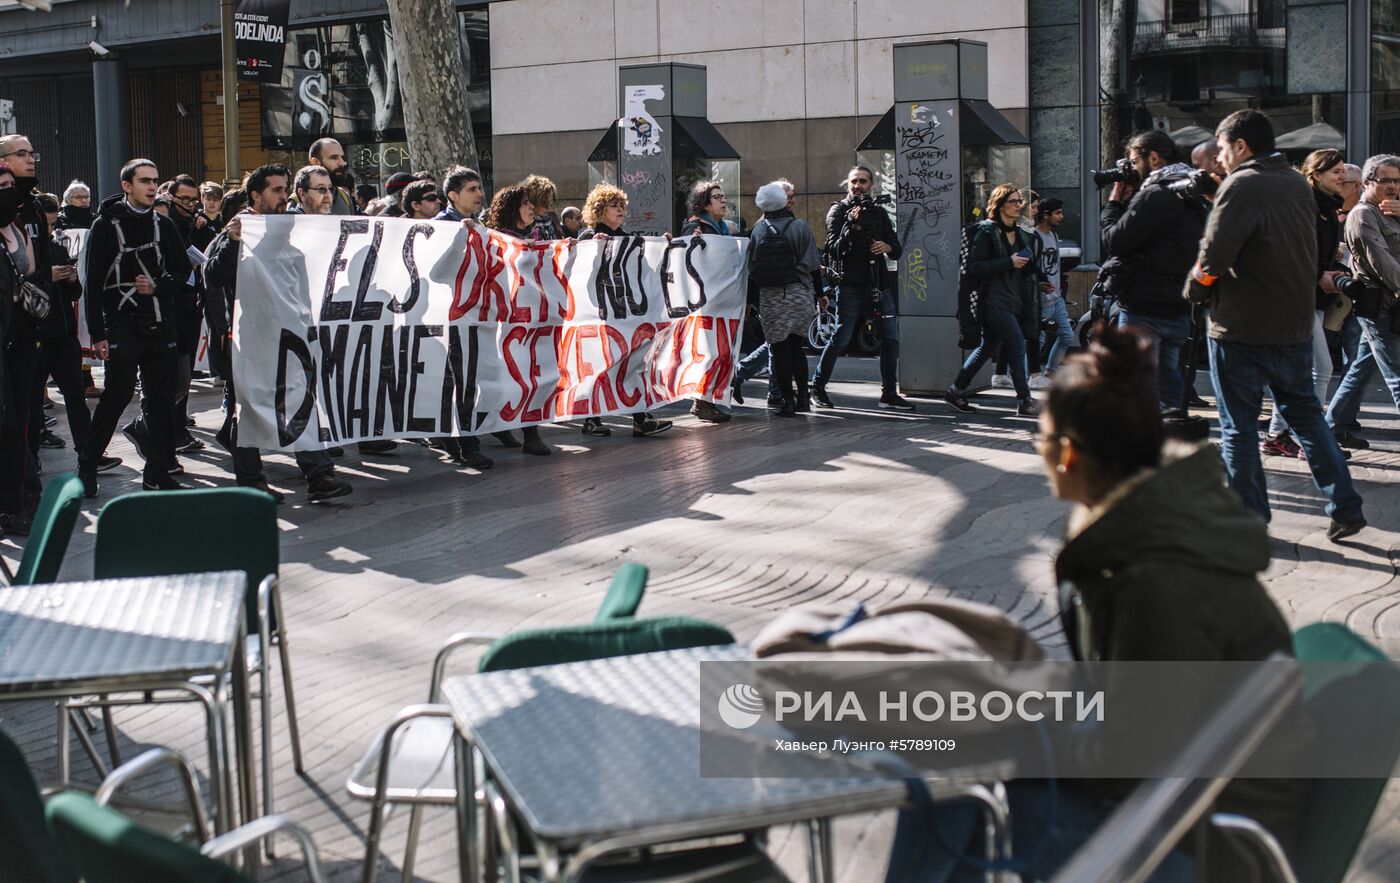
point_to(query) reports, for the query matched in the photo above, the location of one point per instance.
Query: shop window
(1184, 12)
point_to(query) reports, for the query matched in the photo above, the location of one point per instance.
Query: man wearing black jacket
(859, 236)
(137, 280)
(267, 195)
(1150, 235)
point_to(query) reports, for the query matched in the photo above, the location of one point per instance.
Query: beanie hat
(770, 197)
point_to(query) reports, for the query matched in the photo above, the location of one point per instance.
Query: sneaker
(707, 412)
(594, 426)
(189, 444)
(475, 460)
(1281, 445)
(87, 473)
(736, 391)
(821, 399)
(378, 446)
(804, 403)
(1002, 381)
(1340, 530)
(506, 438)
(162, 483)
(326, 487)
(774, 401)
(189, 421)
(1039, 381)
(51, 441)
(178, 468)
(278, 496)
(895, 402)
(1348, 439)
(135, 433)
(50, 421)
(107, 464)
(1028, 408)
(650, 426)
(958, 399)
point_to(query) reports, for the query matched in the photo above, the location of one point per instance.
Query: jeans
(852, 308)
(945, 843)
(1064, 336)
(1240, 372)
(1167, 336)
(1322, 371)
(1000, 328)
(1376, 348)
(753, 363)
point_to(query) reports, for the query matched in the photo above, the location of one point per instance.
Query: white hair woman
(76, 212)
(785, 266)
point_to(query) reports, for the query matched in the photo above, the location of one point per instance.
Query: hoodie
(109, 289)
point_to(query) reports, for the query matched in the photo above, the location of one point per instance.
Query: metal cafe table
(604, 755)
(137, 635)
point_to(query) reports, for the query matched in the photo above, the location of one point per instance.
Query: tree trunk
(1112, 36)
(433, 84)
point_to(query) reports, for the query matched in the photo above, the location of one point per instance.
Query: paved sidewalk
(737, 522)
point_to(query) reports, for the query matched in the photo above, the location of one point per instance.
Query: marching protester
(1150, 235)
(330, 155)
(604, 212)
(513, 214)
(421, 201)
(266, 189)
(1257, 271)
(60, 354)
(1326, 172)
(542, 194)
(859, 238)
(786, 267)
(364, 195)
(1001, 258)
(137, 275)
(315, 194)
(211, 196)
(18, 481)
(707, 205)
(393, 189)
(570, 221)
(76, 212)
(1373, 240)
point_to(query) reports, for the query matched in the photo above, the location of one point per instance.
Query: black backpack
(774, 263)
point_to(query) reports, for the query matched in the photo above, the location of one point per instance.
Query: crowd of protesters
(162, 257)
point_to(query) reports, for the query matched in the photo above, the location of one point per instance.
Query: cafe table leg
(243, 742)
(467, 857)
(819, 850)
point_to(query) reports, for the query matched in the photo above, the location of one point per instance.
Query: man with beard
(137, 276)
(314, 192)
(267, 195)
(328, 154)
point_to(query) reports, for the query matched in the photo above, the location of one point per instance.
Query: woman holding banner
(604, 213)
(513, 214)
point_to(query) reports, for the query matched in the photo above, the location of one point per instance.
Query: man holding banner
(267, 195)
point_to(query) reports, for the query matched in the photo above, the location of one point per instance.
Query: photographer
(1257, 270)
(1150, 235)
(859, 236)
(1373, 237)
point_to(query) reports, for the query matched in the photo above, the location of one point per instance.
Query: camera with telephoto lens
(865, 200)
(1197, 183)
(1121, 172)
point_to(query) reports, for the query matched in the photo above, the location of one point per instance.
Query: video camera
(1121, 171)
(865, 200)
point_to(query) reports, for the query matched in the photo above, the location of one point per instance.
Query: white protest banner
(348, 329)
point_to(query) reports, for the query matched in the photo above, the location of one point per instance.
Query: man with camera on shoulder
(859, 236)
(1258, 271)
(1150, 232)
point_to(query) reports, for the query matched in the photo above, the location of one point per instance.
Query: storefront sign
(260, 33)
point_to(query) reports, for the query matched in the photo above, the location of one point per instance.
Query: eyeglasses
(719, 196)
(186, 200)
(321, 190)
(1387, 182)
(1015, 200)
(431, 197)
(31, 154)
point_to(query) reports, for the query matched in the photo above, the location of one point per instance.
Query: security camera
(98, 49)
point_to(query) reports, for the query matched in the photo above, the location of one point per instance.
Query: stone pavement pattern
(736, 522)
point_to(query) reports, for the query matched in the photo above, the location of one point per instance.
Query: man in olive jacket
(1257, 269)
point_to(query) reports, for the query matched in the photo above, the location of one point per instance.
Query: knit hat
(771, 197)
(398, 181)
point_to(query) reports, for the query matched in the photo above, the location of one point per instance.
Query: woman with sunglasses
(1009, 283)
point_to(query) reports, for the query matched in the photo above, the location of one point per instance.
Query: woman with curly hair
(541, 193)
(604, 212)
(513, 214)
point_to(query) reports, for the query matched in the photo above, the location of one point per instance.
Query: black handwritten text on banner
(356, 328)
